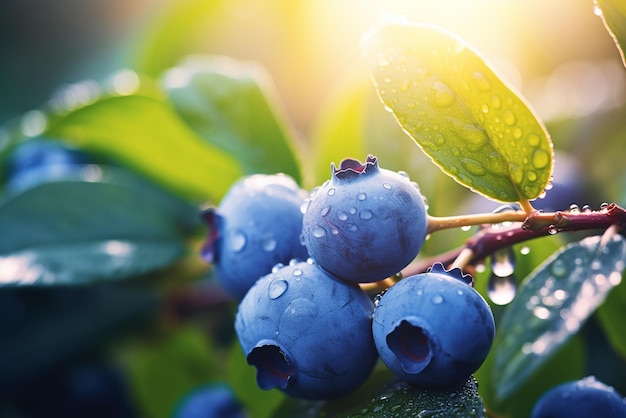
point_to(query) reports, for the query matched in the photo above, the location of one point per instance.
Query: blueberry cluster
(308, 326)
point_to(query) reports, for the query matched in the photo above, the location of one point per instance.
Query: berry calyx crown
(455, 272)
(351, 168)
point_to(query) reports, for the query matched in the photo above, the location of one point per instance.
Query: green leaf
(613, 14)
(232, 106)
(164, 371)
(471, 124)
(109, 227)
(146, 135)
(611, 316)
(551, 307)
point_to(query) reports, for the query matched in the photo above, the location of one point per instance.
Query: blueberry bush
(171, 248)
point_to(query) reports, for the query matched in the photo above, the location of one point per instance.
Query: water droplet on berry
(324, 211)
(318, 231)
(436, 299)
(387, 186)
(277, 288)
(331, 192)
(334, 230)
(342, 216)
(277, 267)
(352, 211)
(403, 174)
(237, 241)
(501, 290)
(361, 196)
(352, 227)
(304, 206)
(269, 244)
(298, 272)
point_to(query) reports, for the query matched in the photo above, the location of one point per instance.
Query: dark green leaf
(551, 307)
(614, 17)
(145, 134)
(40, 327)
(164, 371)
(79, 231)
(459, 112)
(232, 106)
(611, 315)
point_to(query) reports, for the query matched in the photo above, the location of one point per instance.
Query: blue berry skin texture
(256, 225)
(39, 160)
(582, 398)
(307, 333)
(433, 329)
(211, 401)
(366, 223)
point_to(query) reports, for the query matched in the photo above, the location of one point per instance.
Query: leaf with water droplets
(465, 118)
(613, 13)
(554, 302)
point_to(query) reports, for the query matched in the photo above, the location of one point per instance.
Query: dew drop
(525, 250)
(403, 174)
(334, 230)
(503, 262)
(573, 208)
(473, 167)
(586, 208)
(237, 241)
(533, 140)
(331, 192)
(324, 211)
(277, 267)
(495, 102)
(298, 272)
(466, 228)
(352, 227)
(509, 118)
(319, 232)
(558, 268)
(304, 207)
(366, 214)
(361, 196)
(342, 216)
(436, 299)
(531, 175)
(501, 290)
(352, 211)
(597, 10)
(517, 133)
(387, 186)
(484, 108)
(552, 230)
(269, 244)
(481, 81)
(444, 96)
(277, 288)
(540, 158)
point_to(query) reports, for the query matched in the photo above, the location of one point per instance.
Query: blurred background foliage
(149, 340)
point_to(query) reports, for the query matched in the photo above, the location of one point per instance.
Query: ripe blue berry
(433, 329)
(366, 223)
(307, 333)
(211, 401)
(256, 225)
(38, 160)
(587, 397)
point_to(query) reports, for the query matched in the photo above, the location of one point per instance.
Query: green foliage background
(103, 267)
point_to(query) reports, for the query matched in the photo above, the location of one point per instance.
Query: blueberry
(307, 333)
(366, 223)
(211, 401)
(256, 225)
(586, 397)
(433, 329)
(39, 160)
